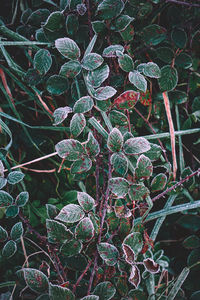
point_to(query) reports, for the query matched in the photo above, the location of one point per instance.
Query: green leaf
(84, 230)
(126, 63)
(128, 33)
(70, 149)
(85, 201)
(153, 34)
(110, 51)
(144, 167)
(183, 60)
(136, 145)
(82, 165)
(68, 48)
(109, 9)
(83, 105)
(22, 199)
(115, 140)
(191, 242)
(77, 124)
(168, 79)
(127, 100)
(138, 192)
(104, 93)
(105, 290)
(38, 16)
(118, 186)
(138, 80)
(135, 242)
(55, 21)
(152, 70)
(159, 182)
(120, 163)
(165, 54)
(71, 213)
(12, 211)
(3, 234)
(17, 231)
(57, 84)
(60, 114)
(179, 37)
(71, 24)
(98, 76)
(5, 199)
(98, 26)
(57, 292)
(52, 211)
(154, 153)
(118, 118)
(3, 182)
(108, 253)
(92, 146)
(32, 77)
(121, 22)
(178, 97)
(71, 247)
(9, 249)
(92, 61)
(71, 69)
(57, 232)
(36, 280)
(15, 177)
(91, 297)
(42, 61)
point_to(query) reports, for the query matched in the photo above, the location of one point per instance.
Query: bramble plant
(98, 77)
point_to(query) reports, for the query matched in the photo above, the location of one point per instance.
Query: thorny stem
(93, 273)
(149, 124)
(176, 185)
(89, 18)
(183, 3)
(82, 275)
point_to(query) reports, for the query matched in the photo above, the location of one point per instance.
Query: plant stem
(181, 157)
(183, 3)
(82, 275)
(177, 285)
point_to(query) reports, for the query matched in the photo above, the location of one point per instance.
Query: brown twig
(82, 275)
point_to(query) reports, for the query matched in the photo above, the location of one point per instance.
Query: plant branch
(183, 3)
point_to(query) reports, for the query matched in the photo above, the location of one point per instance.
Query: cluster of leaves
(88, 64)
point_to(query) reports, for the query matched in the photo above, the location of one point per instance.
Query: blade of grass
(167, 134)
(181, 157)
(23, 43)
(177, 285)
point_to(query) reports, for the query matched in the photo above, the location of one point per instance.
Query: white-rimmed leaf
(104, 93)
(84, 230)
(110, 51)
(92, 146)
(17, 231)
(15, 177)
(5, 199)
(70, 149)
(57, 292)
(60, 114)
(108, 9)
(138, 80)
(71, 69)
(68, 48)
(92, 61)
(81, 165)
(57, 232)
(108, 253)
(85, 201)
(152, 70)
(118, 186)
(9, 249)
(115, 140)
(105, 290)
(71, 213)
(42, 61)
(36, 280)
(77, 124)
(83, 105)
(136, 145)
(98, 76)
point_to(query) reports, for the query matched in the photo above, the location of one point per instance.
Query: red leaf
(127, 100)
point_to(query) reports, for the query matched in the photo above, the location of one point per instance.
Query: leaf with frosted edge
(77, 124)
(135, 278)
(70, 149)
(152, 70)
(92, 146)
(118, 186)
(126, 63)
(144, 167)
(84, 230)
(42, 61)
(92, 61)
(54, 22)
(60, 114)
(68, 48)
(85, 201)
(168, 79)
(108, 253)
(120, 163)
(153, 34)
(1, 169)
(159, 182)
(121, 22)
(12, 211)
(127, 99)
(22, 199)
(17, 231)
(57, 232)
(151, 265)
(98, 76)
(129, 254)
(136, 145)
(105, 290)
(83, 105)
(115, 140)
(9, 249)
(91, 297)
(36, 280)
(5, 199)
(104, 93)
(15, 177)
(71, 247)
(81, 165)
(3, 234)
(183, 60)
(110, 51)
(138, 80)
(154, 153)
(138, 192)
(109, 9)
(118, 118)
(57, 292)
(70, 69)
(71, 213)
(52, 211)
(135, 242)
(3, 182)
